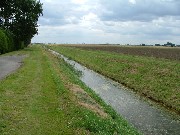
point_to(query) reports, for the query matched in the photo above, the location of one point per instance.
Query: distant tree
(143, 44)
(157, 45)
(20, 17)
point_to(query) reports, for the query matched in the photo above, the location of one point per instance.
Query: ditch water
(148, 118)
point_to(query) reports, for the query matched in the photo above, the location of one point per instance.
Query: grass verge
(157, 79)
(45, 97)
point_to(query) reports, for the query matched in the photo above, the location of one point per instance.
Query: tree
(20, 17)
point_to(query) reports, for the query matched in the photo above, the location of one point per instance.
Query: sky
(109, 21)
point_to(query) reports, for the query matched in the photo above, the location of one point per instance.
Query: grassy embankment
(45, 97)
(155, 78)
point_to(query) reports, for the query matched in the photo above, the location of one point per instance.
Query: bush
(19, 44)
(3, 42)
(6, 41)
(10, 41)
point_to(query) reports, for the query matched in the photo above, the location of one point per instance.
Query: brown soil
(172, 53)
(86, 101)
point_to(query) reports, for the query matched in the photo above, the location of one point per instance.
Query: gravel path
(9, 64)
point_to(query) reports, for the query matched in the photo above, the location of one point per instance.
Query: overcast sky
(109, 21)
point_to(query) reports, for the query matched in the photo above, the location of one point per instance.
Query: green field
(155, 78)
(45, 97)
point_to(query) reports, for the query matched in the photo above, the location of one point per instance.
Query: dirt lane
(9, 64)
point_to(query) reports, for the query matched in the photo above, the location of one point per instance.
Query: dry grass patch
(86, 101)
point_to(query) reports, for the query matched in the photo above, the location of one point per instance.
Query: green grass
(36, 100)
(157, 79)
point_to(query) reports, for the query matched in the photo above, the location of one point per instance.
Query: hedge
(3, 42)
(6, 41)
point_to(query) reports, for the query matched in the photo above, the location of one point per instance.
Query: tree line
(18, 23)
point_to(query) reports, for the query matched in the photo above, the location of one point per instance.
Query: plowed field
(158, 52)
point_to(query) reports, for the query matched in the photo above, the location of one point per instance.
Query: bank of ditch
(45, 96)
(156, 79)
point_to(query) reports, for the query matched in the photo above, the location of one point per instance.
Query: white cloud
(117, 21)
(79, 1)
(132, 1)
(90, 17)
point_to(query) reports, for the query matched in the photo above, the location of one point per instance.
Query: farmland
(157, 52)
(153, 74)
(45, 97)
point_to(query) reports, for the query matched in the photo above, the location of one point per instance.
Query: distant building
(169, 44)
